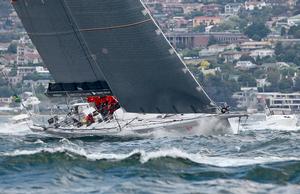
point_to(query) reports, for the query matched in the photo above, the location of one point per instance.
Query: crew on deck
(106, 105)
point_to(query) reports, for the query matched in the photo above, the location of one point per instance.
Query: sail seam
(91, 29)
(78, 37)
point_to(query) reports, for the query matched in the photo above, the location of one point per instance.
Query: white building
(294, 21)
(23, 71)
(281, 100)
(231, 56)
(4, 46)
(14, 80)
(261, 83)
(21, 54)
(216, 49)
(232, 8)
(252, 4)
(5, 100)
(210, 71)
(25, 54)
(246, 98)
(44, 83)
(262, 53)
(252, 45)
(245, 65)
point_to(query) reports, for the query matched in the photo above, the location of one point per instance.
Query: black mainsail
(61, 47)
(116, 41)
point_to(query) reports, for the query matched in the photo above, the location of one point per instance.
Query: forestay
(122, 41)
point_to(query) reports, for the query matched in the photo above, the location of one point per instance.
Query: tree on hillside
(257, 31)
(5, 91)
(3, 82)
(297, 84)
(247, 80)
(283, 31)
(247, 58)
(294, 31)
(212, 40)
(200, 28)
(12, 48)
(285, 85)
(273, 77)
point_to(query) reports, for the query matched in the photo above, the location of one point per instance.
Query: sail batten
(129, 52)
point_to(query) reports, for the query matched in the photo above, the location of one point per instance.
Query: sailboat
(100, 48)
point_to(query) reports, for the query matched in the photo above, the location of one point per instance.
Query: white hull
(282, 122)
(272, 122)
(150, 124)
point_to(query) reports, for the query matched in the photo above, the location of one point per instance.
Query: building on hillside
(14, 80)
(4, 46)
(277, 65)
(294, 21)
(262, 83)
(283, 3)
(25, 54)
(5, 101)
(27, 70)
(255, 4)
(247, 99)
(232, 8)
(24, 71)
(231, 56)
(216, 49)
(173, 8)
(211, 9)
(245, 65)
(207, 72)
(206, 20)
(200, 40)
(253, 45)
(192, 7)
(21, 54)
(281, 100)
(8, 59)
(44, 83)
(262, 53)
(177, 23)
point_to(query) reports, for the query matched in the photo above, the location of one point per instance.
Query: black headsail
(61, 47)
(141, 67)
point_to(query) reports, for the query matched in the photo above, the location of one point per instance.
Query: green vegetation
(288, 53)
(294, 31)
(230, 24)
(12, 48)
(200, 28)
(257, 31)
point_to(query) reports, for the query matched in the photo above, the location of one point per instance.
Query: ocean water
(254, 161)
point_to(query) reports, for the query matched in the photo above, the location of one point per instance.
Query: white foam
(145, 157)
(14, 129)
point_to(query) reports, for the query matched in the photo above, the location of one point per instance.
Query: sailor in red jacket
(106, 105)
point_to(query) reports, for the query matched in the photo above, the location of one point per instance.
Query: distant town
(244, 52)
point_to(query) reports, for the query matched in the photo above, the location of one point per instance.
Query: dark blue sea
(254, 161)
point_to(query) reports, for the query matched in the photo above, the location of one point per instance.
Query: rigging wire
(79, 38)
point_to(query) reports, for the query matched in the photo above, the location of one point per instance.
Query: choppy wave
(145, 156)
(264, 161)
